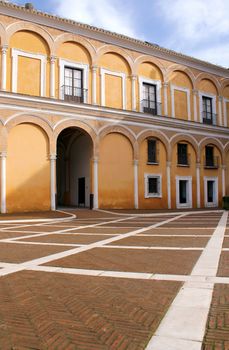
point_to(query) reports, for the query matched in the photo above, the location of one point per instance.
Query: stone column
(165, 89)
(198, 184)
(136, 184)
(3, 182)
(52, 76)
(220, 120)
(223, 180)
(94, 84)
(195, 94)
(96, 183)
(53, 180)
(4, 67)
(133, 90)
(168, 168)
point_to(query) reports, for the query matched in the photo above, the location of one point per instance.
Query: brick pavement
(162, 261)
(217, 332)
(43, 311)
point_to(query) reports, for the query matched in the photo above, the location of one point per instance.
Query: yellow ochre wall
(160, 169)
(116, 175)
(28, 169)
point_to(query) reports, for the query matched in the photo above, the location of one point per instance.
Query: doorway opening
(73, 168)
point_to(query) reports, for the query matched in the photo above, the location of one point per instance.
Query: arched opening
(73, 170)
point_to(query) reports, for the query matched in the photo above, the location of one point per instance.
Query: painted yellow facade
(101, 119)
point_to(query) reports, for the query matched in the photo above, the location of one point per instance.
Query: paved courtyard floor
(115, 280)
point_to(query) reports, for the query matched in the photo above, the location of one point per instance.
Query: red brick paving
(18, 253)
(179, 231)
(226, 242)
(103, 230)
(217, 332)
(151, 261)
(223, 269)
(62, 312)
(67, 238)
(163, 241)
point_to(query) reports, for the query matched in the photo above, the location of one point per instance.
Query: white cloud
(107, 14)
(198, 27)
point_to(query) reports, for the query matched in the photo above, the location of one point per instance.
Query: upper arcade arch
(152, 60)
(211, 78)
(210, 141)
(26, 26)
(67, 37)
(185, 138)
(184, 70)
(116, 51)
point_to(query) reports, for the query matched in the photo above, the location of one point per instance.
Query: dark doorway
(183, 191)
(81, 192)
(210, 191)
(73, 170)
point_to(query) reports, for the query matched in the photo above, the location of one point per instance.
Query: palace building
(91, 117)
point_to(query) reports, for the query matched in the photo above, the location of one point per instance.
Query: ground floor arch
(74, 168)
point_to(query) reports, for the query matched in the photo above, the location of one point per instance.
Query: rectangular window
(152, 185)
(152, 151)
(184, 191)
(149, 98)
(207, 110)
(210, 191)
(211, 194)
(182, 154)
(209, 156)
(183, 195)
(73, 84)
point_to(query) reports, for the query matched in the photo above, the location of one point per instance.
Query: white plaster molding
(168, 172)
(3, 182)
(136, 184)
(151, 195)
(77, 65)
(189, 192)
(225, 101)
(198, 184)
(96, 183)
(141, 81)
(187, 91)
(165, 87)
(52, 77)
(43, 62)
(220, 110)
(53, 180)
(223, 181)
(103, 72)
(206, 94)
(133, 92)
(4, 67)
(215, 194)
(94, 84)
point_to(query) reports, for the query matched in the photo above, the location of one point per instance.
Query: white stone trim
(141, 81)
(216, 193)
(223, 181)
(42, 58)
(52, 76)
(94, 84)
(96, 184)
(4, 67)
(151, 195)
(53, 181)
(189, 194)
(72, 64)
(168, 173)
(103, 72)
(3, 182)
(183, 89)
(136, 184)
(206, 94)
(198, 185)
(225, 101)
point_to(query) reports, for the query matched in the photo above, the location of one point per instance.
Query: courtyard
(115, 280)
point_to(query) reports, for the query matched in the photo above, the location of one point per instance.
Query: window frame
(216, 192)
(141, 81)
(186, 155)
(146, 179)
(155, 162)
(189, 192)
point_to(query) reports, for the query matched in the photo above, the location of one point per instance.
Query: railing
(209, 118)
(211, 163)
(151, 107)
(73, 94)
(183, 160)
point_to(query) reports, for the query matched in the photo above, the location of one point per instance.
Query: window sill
(153, 196)
(183, 165)
(152, 163)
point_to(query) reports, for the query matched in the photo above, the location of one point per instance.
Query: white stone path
(183, 326)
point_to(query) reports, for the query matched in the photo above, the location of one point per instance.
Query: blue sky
(199, 28)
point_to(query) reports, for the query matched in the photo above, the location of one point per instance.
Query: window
(152, 185)
(184, 191)
(182, 154)
(149, 98)
(207, 110)
(210, 160)
(210, 191)
(73, 84)
(152, 151)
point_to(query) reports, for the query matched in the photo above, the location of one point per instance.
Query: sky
(199, 28)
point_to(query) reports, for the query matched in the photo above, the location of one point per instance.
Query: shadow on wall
(30, 194)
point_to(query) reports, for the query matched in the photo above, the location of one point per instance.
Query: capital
(195, 92)
(53, 59)
(4, 49)
(52, 157)
(3, 154)
(220, 98)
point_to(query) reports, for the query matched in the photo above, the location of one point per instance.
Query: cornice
(108, 37)
(63, 109)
